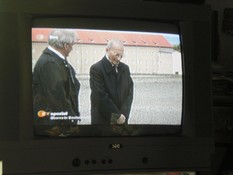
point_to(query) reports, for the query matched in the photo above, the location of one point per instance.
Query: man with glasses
(111, 87)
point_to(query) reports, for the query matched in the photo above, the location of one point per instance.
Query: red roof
(102, 37)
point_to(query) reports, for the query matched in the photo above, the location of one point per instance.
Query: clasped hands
(121, 119)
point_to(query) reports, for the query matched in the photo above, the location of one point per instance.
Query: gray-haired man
(55, 87)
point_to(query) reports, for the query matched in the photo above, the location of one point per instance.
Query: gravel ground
(157, 99)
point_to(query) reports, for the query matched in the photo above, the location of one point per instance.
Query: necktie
(67, 65)
(116, 69)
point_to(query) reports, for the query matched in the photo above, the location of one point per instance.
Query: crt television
(169, 54)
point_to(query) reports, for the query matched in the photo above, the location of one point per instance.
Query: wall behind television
(225, 53)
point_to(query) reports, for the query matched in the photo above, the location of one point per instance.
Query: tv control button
(145, 160)
(94, 161)
(110, 161)
(76, 162)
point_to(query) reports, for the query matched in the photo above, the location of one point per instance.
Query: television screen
(150, 97)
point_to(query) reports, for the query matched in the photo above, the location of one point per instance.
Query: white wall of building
(141, 60)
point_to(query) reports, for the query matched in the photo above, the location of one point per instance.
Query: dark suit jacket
(110, 94)
(55, 87)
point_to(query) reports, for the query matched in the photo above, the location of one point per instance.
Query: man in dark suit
(111, 87)
(55, 87)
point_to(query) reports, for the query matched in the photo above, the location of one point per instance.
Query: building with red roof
(145, 53)
(102, 37)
